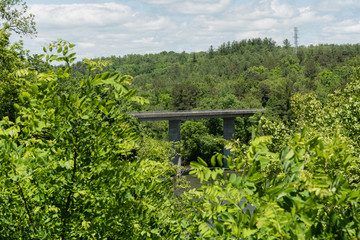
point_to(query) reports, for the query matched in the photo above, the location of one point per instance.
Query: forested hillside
(254, 73)
(238, 74)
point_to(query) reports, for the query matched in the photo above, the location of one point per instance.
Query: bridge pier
(229, 130)
(174, 136)
(174, 119)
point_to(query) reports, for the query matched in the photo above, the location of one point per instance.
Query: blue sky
(120, 27)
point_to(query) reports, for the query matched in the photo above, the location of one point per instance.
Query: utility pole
(296, 39)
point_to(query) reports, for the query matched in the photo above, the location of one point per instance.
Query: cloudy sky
(120, 27)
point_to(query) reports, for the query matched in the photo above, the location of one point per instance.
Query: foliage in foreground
(67, 167)
(305, 187)
(303, 192)
(14, 17)
(11, 61)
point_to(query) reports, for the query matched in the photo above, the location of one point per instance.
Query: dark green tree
(13, 18)
(287, 44)
(185, 96)
(12, 59)
(211, 52)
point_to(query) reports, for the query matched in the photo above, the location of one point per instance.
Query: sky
(120, 27)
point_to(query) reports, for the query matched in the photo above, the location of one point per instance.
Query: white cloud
(203, 7)
(96, 27)
(336, 5)
(109, 35)
(308, 16)
(81, 15)
(157, 24)
(144, 26)
(267, 18)
(193, 7)
(160, 1)
(344, 27)
(272, 8)
(264, 24)
(86, 45)
(250, 17)
(148, 42)
(263, 9)
(248, 35)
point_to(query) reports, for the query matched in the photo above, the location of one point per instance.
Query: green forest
(74, 163)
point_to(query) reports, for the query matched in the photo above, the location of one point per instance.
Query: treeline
(238, 74)
(254, 73)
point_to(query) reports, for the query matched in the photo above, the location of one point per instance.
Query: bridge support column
(229, 130)
(174, 136)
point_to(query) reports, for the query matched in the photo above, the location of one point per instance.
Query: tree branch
(68, 200)
(25, 202)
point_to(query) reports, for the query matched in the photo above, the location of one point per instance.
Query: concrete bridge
(175, 119)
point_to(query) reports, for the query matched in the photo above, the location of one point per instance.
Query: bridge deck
(184, 115)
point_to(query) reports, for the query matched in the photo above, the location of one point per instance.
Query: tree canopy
(14, 16)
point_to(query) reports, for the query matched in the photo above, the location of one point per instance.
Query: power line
(296, 37)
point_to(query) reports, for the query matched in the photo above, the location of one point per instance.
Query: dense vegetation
(253, 73)
(249, 73)
(75, 165)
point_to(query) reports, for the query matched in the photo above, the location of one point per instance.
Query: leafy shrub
(64, 169)
(308, 195)
(196, 142)
(11, 81)
(305, 187)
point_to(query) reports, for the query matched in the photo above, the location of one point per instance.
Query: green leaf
(213, 160)
(290, 155)
(230, 162)
(72, 55)
(247, 232)
(35, 89)
(69, 164)
(220, 160)
(17, 107)
(59, 50)
(306, 220)
(53, 58)
(26, 96)
(155, 231)
(201, 161)
(105, 75)
(128, 195)
(66, 50)
(207, 174)
(232, 178)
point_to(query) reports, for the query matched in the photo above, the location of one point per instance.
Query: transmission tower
(296, 39)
